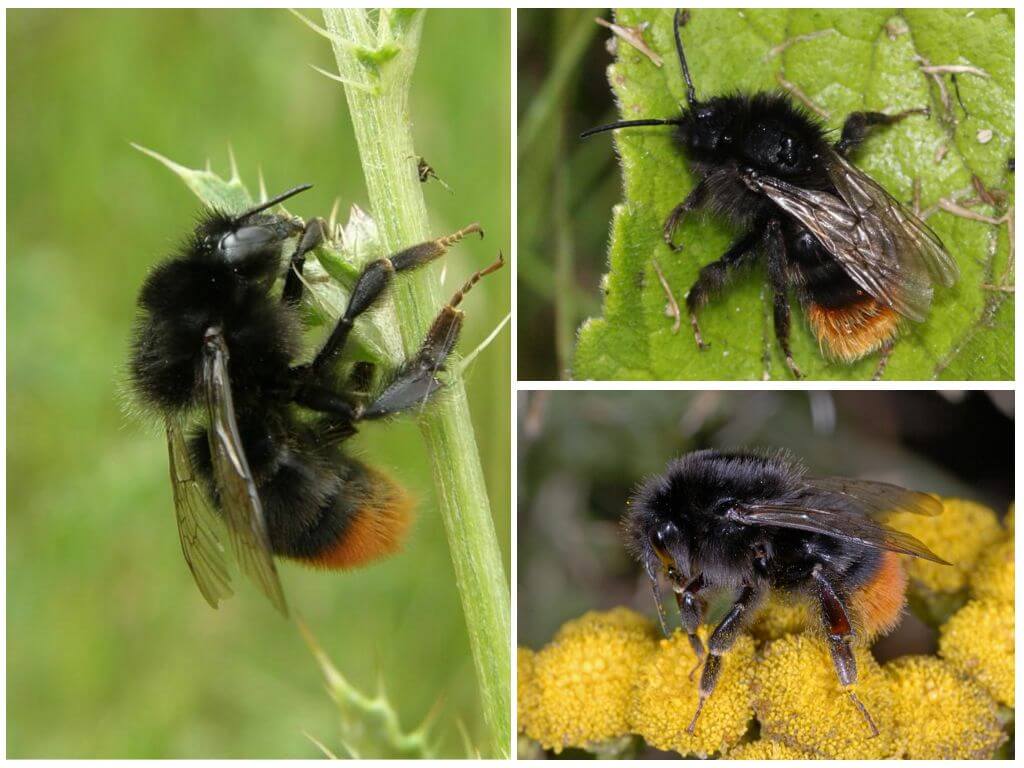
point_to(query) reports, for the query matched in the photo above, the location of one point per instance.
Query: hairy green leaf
(842, 61)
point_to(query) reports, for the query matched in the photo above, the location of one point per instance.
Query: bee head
(250, 242)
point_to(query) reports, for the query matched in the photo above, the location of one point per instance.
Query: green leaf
(853, 60)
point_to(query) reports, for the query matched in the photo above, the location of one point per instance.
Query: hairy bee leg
(883, 360)
(692, 202)
(312, 237)
(859, 124)
(721, 640)
(691, 613)
(775, 244)
(713, 277)
(370, 285)
(415, 381)
(840, 635)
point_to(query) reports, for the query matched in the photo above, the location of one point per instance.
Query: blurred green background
(566, 187)
(582, 453)
(111, 651)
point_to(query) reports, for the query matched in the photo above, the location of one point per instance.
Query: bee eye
(661, 539)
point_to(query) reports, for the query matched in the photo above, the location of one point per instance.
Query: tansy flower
(525, 686)
(666, 698)
(1008, 522)
(978, 641)
(799, 701)
(762, 749)
(959, 535)
(582, 680)
(779, 617)
(993, 577)
(941, 715)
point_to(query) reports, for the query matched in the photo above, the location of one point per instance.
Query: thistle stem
(376, 54)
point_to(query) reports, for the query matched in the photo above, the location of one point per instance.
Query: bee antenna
(678, 20)
(271, 202)
(625, 124)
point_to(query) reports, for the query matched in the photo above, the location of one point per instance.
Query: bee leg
(370, 285)
(883, 360)
(859, 124)
(416, 380)
(713, 277)
(691, 613)
(721, 640)
(692, 202)
(840, 636)
(776, 246)
(312, 237)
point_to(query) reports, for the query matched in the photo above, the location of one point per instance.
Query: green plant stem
(377, 79)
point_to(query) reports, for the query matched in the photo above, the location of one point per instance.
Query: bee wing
(878, 500)
(239, 501)
(838, 521)
(882, 246)
(199, 541)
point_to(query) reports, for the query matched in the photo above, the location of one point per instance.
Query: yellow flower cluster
(665, 699)
(960, 535)
(978, 639)
(941, 715)
(605, 676)
(578, 687)
(799, 701)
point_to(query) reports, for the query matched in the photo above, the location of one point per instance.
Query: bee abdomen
(879, 603)
(852, 331)
(366, 520)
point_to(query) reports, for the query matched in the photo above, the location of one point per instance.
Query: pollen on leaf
(800, 702)
(581, 682)
(959, 535)
(940, 714)
(978, 641)
(666, 698)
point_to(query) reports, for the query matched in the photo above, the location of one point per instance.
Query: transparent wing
(890, 253)
(848, 509)
(878, 500)
(239, 501)
(199, 542)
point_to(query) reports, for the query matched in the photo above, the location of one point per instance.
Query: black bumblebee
(267, 446)
(858, 259)
(757, 522)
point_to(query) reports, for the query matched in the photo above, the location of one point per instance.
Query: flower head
(941, 715)
(525, 685)
(959, 535)
(666, 698)
(581, 682)
(779, 617)
(978, 641)
(800, 702)
(763, 749)
(993, 577)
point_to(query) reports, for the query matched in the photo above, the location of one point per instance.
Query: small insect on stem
(425, 172)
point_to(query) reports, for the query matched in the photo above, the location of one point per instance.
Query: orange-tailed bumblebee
(753, 523)
(261, 436)
(858, 260)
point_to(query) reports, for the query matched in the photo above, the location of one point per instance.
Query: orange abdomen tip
(849, 333)
(879, 604)
(376, 528)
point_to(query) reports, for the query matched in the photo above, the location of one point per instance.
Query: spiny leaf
(843, 60)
